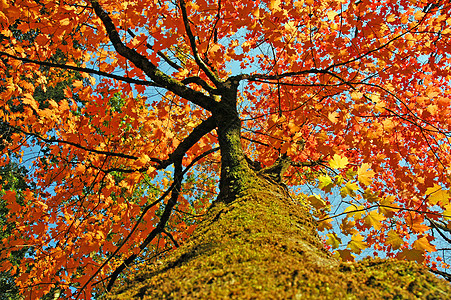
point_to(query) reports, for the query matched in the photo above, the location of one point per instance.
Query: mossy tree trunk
(257, 243)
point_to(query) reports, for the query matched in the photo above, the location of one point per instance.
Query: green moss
(263, 246)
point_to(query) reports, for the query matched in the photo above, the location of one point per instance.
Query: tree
(243, 104)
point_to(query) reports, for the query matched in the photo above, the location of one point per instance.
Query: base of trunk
(264, 246)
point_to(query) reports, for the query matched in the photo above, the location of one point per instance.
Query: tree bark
(257, 243)
(262, 245)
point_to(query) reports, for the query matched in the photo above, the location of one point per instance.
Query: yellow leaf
(331, 14)
(355, 211)
(391, 18)
(333, 240)
(325, 183)
(365, 174)
(65, 22)
(338, 162)
(447, 212)
(437, 194)
(394, 240)
(349, 189)
(274, 5)
(423, 244)
(373, 219)
(357, 244)
(143, 160)
(388, 208)
(316, 201)
(333, 117)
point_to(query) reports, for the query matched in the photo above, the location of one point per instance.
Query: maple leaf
(355, 211)
(447, 212)
(325, 183)
(437, 195)
(316, 201)
(356, 244)
(349, 189)
(394, 240)
(99, 159)
(387, 206)
(346, 255)
(338, 162)
(333, 240)
(373, 219)
(423, 243)
(348, 227)
(416, 224)
(412, 255)
(365, 174)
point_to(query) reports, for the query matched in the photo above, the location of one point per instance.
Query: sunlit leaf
(373, 219)
(394, 240)
(365, 174)
(333, 240)
(437, 195)
(423, 244)
(356, 245)
(338, 162)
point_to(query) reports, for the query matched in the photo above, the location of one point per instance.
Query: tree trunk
(262, 245)
(256, 243)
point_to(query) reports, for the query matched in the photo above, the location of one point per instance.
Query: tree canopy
(164, 102)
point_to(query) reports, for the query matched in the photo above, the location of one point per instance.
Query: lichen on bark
(262, 245)
(257, 243)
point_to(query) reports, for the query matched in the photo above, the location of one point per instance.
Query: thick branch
(197, 133)
(147, 67)
(202, 129)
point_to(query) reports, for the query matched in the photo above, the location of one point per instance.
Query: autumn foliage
(355, 93)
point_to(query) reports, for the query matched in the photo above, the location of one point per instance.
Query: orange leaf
(423, 244)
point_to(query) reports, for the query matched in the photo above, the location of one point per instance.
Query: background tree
(349, 97)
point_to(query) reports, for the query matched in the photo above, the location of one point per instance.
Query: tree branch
(192, 41)
(80, 69)
(53, 140)
(148, 67)
(178, 175)
(159, 53)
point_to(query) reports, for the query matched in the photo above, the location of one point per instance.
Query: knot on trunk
(279, 167)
